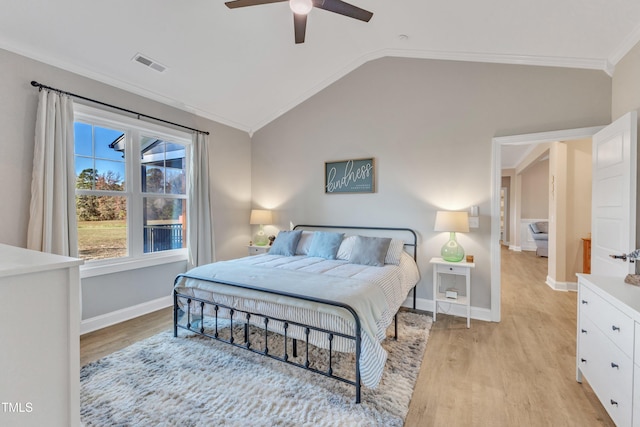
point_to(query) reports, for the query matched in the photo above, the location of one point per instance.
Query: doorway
(498, 144)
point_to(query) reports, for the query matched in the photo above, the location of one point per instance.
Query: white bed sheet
(378, 294)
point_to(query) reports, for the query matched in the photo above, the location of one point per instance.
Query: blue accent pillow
(286, 243)
(325, 244)
(370, 251)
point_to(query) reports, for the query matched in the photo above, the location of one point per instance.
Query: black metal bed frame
(286, 323)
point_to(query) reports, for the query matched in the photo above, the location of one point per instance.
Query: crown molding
(625, 47)
(501, 58)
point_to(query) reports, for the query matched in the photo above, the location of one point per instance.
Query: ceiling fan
(301, 8)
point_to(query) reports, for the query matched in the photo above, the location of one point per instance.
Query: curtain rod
(41, 86)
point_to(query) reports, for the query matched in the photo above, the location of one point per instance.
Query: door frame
(496, 184)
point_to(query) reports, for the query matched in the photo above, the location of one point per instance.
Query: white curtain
(52, 212)
(200, 230)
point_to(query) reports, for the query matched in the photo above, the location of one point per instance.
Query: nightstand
(257, 250)
(441, 267)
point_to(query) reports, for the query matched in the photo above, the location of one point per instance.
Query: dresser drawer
(617, 326)
(608, 370)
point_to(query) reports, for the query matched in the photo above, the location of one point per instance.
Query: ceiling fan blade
(342, 8)
(300, 27)
(245, 3)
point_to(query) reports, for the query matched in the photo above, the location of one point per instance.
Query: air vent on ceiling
(145, 60)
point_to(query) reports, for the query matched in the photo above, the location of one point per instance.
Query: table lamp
(260, 217)
(452, 222)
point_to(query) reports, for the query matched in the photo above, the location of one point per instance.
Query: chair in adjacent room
(540, 233)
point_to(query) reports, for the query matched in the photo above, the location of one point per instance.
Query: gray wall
(535, 191)
(230, 159)
(626, 84)
(429, 124)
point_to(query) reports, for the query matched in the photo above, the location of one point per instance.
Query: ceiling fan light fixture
(301, 7)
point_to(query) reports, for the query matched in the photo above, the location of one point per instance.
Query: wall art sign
(350, 176)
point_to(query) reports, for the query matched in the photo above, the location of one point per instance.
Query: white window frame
(134, 130)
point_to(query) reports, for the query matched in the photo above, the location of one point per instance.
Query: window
(131, 188)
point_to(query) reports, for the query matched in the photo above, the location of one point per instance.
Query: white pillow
(344, 251)
(395, 250)
(304, 243)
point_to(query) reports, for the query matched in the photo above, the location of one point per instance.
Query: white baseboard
(454, 309)
(515, 248)
(108, 319)
(561, 286)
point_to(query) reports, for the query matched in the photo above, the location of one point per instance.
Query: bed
(334, 287)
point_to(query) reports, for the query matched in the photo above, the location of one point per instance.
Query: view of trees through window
(104, 197)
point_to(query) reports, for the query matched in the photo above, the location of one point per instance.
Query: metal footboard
(245, 317)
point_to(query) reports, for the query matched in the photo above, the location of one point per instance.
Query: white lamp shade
(260, 217)
(452, 221)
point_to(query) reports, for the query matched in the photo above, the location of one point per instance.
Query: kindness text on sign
(349, 176)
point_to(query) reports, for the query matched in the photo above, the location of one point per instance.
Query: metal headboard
(411, 242)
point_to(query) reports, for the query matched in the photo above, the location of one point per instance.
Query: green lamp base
(452, 251)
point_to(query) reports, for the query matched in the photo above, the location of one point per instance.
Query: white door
(613, 220)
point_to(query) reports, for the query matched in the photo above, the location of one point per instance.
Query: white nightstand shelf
(461, 300)
(462, 268)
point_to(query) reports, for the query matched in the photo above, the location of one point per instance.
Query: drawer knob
(614, 365)
(615, 328)
(584, 301)
(584, 331)
(613, 402)
(583, 360)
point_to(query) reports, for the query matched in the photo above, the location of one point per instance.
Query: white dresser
(608, 344)
(39, 339)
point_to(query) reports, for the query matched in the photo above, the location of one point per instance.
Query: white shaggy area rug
(195, 381)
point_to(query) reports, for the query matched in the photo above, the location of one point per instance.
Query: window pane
(83, 139)
(99, 159)
(109, 175)
(85, 176)
(153, 181)
(102, 227)
(163, 166)
(175, 181)
(164, 224)
(109, 143)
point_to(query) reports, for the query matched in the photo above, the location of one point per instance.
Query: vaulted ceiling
(242, 68)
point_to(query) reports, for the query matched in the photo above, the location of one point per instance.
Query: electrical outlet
(474, 222)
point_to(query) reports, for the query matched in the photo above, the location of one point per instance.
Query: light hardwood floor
(519, 372)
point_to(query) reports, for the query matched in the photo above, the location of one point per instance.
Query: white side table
(257, 250)
(462, 268)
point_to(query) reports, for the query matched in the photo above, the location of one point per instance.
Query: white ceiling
(241, 67)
